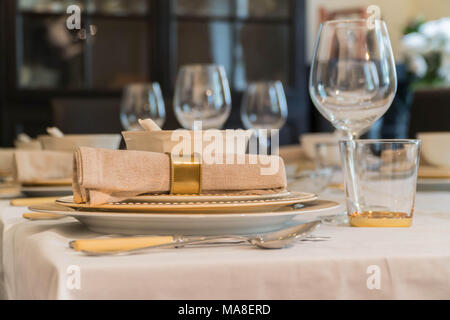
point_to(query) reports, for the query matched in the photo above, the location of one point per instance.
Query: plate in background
(433, 184)
(49, 183)
(44, 191)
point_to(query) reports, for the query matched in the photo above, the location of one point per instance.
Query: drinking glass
(313, 181)
(353, 79)
(264, 106)
(386, 176)
(202, 94)
(328, 157)
(141, 101)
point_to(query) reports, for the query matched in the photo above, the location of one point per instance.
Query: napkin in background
(30, 166)
(430, 172)
(6, 162)
(102, 176)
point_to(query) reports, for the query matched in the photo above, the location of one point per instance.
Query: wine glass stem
(351, 135)
(352, 172)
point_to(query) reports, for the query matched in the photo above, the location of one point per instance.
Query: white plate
(44, 191)
(433, 184)
(193, 224)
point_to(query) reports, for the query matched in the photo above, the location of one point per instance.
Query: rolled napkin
(149, 125)
(55, 132)
(24, 141)
(102, 176)
(32, 166)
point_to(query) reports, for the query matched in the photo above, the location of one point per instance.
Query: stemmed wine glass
(202, 93)
(264, 106)
(353, 79)
(141, 101)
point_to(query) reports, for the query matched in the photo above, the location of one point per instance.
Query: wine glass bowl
(202, 93)
(264, 105)
(141, 101)
(353, 79)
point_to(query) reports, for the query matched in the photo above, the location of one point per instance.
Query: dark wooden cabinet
(144, 40)
(430, 111)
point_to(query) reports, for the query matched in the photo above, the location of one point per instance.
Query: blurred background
(74, 79)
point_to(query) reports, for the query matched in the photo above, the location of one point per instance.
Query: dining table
(352, 263)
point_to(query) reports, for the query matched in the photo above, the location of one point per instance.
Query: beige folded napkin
(31, 166)
(102, 176)
(6, 162)
(292, 153)
(429, 172)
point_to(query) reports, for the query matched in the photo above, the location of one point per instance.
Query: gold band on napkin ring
(185, 174)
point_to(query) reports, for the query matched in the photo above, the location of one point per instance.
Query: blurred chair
(87, 115)
(430, 111)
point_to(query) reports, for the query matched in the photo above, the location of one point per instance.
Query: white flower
(437, 32)
(433, 37)
(444, 72)
(418, 65)
(436, 29)
(446, 48)
(415, 43)
(431, 29)
(445, 27)
(444, 69)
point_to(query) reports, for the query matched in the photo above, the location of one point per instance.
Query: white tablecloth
(410, 263)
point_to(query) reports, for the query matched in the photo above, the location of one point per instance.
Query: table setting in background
(208, 213)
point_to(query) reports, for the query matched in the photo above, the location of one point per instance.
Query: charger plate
(209, 197)
(195, 224)
(166, 198)
(220, 205)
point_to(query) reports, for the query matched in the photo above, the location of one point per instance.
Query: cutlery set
(119, 246)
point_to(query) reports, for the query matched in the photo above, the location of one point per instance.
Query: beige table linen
(412, 263)
(102, 175)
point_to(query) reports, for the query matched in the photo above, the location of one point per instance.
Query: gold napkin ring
(185, 174)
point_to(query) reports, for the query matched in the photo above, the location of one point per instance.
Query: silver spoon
(273, 240)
